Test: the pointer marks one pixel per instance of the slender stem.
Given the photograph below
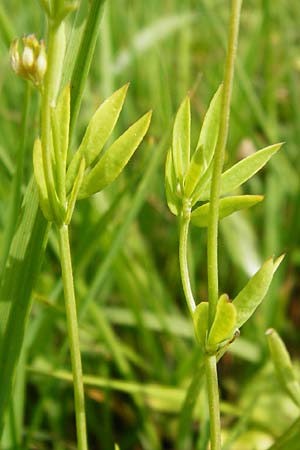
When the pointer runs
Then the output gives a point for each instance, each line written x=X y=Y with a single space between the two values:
x=73 y=335
x=213 y=402
x=183 y=260
x=48 y=100
x=212 y=239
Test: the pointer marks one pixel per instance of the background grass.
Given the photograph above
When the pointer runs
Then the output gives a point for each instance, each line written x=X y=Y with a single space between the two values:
x=139 y=356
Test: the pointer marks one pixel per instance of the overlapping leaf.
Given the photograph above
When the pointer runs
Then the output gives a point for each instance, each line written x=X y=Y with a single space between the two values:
x=227 y=206
x=242 y=171
x=181 y=140
x=97 y=133
x=205 y=149
x=251 y=296
x=116 y=157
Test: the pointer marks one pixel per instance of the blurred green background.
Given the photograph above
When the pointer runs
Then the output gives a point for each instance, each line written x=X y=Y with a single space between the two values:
x=138 y=348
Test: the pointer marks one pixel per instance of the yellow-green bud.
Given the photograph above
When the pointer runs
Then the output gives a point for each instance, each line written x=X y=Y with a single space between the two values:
x=31 y=63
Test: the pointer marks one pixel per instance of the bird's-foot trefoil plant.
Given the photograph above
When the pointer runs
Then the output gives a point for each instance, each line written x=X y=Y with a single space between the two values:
x=60 y=184
x=199 y=192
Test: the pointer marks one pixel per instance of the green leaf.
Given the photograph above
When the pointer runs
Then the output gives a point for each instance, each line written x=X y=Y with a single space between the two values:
x=200 y=319
x=224 y=324
x=243 y=171
x=227 y=206
x=206 y=144
x=115 y=159
x=74 y=192
x=255 y=290
x=39 y=175
x=60 y=122
x=171 y=185
x=181 y=140
x=283 y=366
x=98 y=131
x=19 y=277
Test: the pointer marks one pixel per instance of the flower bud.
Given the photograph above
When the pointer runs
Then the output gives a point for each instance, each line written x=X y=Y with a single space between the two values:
x=27 y=58
x=41 y=62
x=31 y=63
x=14 y=56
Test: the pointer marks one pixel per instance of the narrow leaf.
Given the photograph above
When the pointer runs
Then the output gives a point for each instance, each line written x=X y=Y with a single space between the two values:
x=227 y=205
x=116 y=158
x=255 y=290
x=171 y=185
x=206 y=144
x=60 y=122
x=224 y=323
x=19 y=277
x=283 y=366
x=200 y=320
x=74 y=192
x=181 y=140
x=39 y=175
x=243 y=170
x=97 y=133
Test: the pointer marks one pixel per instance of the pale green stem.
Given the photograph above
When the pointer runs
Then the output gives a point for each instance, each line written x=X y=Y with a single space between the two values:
x=73 y=335
x=212 y=238
x=183 y=259
x=48 y=99
x=213 y=402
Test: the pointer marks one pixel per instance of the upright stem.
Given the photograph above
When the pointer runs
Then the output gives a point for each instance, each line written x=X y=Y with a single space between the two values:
x=212 y=239
x=55 y=35
x=213 y=402
x=73 y=335
x=183 y=260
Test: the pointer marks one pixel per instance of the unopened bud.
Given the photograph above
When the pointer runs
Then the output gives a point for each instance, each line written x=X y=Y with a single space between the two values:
x=27 y=58
x=41 y=62
x=15 y=57
x=32 y=63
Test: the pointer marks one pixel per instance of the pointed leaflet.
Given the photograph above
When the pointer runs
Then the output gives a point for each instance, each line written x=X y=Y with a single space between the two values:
x=283 y=365
x=74 y=192
x=98 y=131
x=243 y=170
x=60 y=122
x=255 y=290
x=181 y=140
x=115 y=159
x=171 y=185
x=224 y=323
x=39 y=175
x=227 y=206
x=206 y=145
x=200 y=319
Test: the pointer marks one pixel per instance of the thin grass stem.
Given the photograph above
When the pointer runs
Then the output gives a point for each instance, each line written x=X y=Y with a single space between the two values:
x=212 y=239
x=73 y=335
x=213 y=402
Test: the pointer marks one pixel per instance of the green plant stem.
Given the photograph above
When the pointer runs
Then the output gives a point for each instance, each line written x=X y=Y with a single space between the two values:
x=213 y=402
x=48 y=99
x=73 y=335
x=183 y=261
x=212 y=239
